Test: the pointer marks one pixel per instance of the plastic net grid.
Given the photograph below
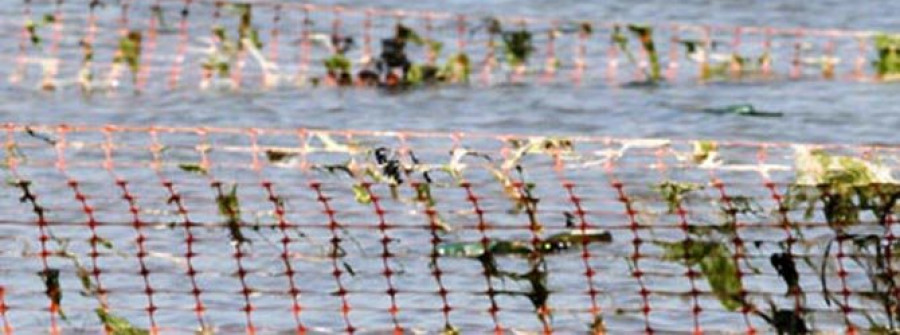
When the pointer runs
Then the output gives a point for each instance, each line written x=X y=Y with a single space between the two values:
x=262 y=44
x=263 y=230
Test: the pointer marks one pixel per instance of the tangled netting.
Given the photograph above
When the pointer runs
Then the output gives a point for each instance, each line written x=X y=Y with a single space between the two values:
x=169 y=44
x=146 y=230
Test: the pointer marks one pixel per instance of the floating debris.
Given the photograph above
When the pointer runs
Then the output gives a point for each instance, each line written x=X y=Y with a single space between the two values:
x=477 y=249
x=553 y=244
x=276 y=156
x=192 y=168
x=574 y=238
x=743 y=110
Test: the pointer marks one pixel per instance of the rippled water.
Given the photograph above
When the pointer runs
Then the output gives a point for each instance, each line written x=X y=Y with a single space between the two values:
x=813 y=111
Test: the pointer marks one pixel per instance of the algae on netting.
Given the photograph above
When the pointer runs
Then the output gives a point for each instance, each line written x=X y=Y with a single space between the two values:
x=741 y=204
x=787 y=270
x=740 y=65
x=192 y=168
x=536 y=277
x=361 y=194
x=160 y=17
x=129 y=52
x=13 y=154
x=406 y=33
x=116 y=325
x=888 y=63
x=704 y=151
x=219 y=59
x=423 y=194
x=845 y=186
x=553 y=146
x=717 y=265
x=337 y=63
x=597 y=326
x=645 y=37
x=52 y=289
x=450 y=330
x=645 y=34
x=785 y=321
x=621 y=41
x=394 y=56
x=673 y=193
x=230 y=209
x=85 y=75
x=517 y=46
x=339 y=69
x=585 y=28
x=457 y=69
x=873 y=255
x=246 y=31
x=734 y=63
x=424 y=74
x=31 y=28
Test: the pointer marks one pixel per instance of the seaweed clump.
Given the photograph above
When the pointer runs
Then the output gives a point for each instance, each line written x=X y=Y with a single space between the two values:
x=230 y=209
x=673 y=193
x=716 y=264
x=31 y=27
x=518 y=47
x=129 y=52
x=225 y=51
x=845 y=186
x=645 y=37
x=888 y=63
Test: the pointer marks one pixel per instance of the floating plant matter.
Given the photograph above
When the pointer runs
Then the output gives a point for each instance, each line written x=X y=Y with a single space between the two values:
x=888 y=62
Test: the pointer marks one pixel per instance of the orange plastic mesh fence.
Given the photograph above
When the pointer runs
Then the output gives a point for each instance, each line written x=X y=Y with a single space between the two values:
x=168 y=44
x=261 y=230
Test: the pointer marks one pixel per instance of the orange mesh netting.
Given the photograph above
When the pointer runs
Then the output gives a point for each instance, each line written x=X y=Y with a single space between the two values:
x=168 y=44
x=229 y=230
